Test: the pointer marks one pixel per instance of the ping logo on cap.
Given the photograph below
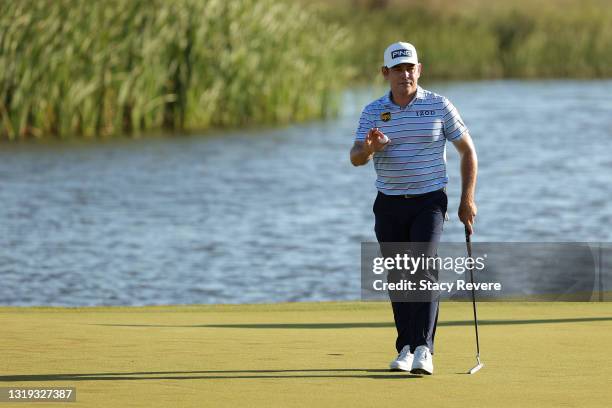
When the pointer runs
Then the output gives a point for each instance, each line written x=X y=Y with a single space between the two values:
x=401 y=53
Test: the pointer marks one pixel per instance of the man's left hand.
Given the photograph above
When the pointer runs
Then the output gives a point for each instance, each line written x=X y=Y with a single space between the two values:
x=467 y=213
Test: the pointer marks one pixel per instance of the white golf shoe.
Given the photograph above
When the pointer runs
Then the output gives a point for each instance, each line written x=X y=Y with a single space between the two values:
x=403 y=361
x=422 y=362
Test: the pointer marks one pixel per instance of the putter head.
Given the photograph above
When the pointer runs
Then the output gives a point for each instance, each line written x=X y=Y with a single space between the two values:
x=476 y=368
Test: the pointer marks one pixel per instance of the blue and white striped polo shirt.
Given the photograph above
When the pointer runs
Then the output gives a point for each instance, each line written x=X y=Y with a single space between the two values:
x=414 y=161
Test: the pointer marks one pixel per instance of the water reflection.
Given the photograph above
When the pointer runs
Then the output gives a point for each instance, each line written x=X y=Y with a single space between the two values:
x=272 y=215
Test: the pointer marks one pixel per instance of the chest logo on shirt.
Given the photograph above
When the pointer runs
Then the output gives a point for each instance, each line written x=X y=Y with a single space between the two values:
x=425 y=113
x=385 y=116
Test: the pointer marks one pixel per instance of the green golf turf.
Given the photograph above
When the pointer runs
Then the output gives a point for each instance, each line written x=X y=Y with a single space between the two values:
x=308 y=354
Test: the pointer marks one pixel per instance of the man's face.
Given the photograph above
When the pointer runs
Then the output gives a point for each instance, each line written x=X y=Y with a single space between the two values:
x=403 y=77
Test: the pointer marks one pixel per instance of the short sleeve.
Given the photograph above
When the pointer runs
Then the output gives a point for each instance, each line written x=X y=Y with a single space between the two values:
x=453 y=125
x=365 y=124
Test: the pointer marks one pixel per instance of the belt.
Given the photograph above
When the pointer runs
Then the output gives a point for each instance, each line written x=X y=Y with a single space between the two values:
x=414 y=195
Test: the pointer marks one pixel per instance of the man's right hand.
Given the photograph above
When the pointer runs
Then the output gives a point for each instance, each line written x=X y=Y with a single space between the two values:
x=362 y=152
x=375 y=141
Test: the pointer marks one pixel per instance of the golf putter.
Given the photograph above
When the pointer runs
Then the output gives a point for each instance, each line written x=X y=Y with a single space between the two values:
x=478 y=366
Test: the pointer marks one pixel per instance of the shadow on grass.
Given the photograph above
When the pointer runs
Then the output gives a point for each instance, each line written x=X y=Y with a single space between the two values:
x=214 y=375
x=365 y=325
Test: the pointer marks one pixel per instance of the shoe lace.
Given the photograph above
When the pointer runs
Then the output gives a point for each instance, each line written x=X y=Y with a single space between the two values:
x=404 y=353
x=423 y=353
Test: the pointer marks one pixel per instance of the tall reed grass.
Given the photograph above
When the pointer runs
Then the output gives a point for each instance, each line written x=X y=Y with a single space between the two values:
x=79 y=68
x=476 y=41
x=105 y=67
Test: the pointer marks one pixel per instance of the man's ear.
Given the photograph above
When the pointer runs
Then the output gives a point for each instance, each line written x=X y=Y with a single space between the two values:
x=385 y=71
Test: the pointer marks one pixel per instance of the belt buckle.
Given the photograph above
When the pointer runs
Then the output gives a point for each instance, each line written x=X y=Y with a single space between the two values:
x=419 y=195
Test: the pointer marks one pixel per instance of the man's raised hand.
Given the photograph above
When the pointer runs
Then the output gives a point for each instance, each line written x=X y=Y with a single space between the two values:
x=376 y=140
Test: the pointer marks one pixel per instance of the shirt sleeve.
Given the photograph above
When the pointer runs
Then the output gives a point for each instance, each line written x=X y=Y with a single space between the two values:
x=453 y=127
x=365 y=124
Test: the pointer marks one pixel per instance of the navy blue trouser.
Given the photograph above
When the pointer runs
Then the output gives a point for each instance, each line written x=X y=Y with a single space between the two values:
x=412 y=219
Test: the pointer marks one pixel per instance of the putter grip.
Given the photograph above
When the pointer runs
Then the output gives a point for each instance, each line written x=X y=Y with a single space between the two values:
x=468 y=243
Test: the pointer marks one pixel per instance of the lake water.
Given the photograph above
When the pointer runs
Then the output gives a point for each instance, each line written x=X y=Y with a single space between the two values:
x=272 y=215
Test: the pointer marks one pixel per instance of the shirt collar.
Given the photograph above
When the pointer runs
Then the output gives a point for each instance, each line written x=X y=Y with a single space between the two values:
x=420 y=94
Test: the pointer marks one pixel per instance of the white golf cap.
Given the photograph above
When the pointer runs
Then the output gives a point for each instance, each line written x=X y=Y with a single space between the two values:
x=400 y=53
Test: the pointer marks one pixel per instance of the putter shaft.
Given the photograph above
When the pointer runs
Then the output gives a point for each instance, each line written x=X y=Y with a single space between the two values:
x=468 y=243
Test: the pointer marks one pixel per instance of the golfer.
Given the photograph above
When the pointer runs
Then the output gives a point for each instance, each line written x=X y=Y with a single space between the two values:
x=405 y=132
